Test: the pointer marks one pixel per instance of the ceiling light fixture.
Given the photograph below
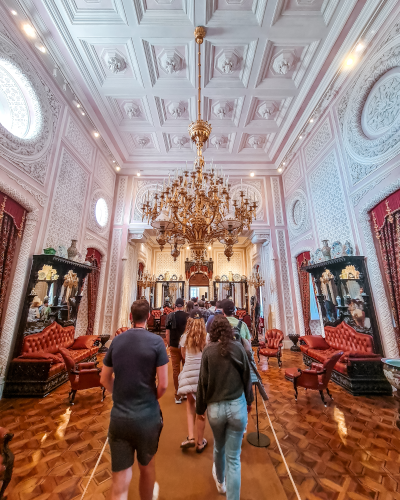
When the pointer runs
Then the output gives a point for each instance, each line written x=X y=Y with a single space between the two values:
x=40 y=47
x=187 y=248
x=300 y=137
x=96 y=134
x=82 y=113
x=138 y=174
x=280 y=169
x=349 y=61
x=359 y=47
x=196 y=206
x=284 y=163
x=311 y=120
x=209 y=248
x=251 y=174
x=117 y=168
x=29 y=30
x=14 y=12
x=113 y=161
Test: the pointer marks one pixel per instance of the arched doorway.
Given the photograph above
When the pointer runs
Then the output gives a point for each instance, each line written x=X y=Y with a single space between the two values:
x=199 y=286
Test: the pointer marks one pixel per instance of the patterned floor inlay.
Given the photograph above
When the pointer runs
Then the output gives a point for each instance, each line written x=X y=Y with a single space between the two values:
x=349 y=450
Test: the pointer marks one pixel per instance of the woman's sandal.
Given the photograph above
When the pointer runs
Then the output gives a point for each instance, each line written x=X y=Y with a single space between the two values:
x=188 y=443
x=201 y=448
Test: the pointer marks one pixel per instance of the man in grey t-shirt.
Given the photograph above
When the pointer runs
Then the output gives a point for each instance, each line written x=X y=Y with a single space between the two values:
x=131 y=364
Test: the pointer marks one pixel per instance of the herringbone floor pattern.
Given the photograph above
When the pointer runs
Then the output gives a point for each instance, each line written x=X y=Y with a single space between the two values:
x=350 y=450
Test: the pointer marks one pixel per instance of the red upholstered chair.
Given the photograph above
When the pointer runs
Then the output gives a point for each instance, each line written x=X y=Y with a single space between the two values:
x=317 y=378
x=168 y=310
x=156 y=313
x=241 y=313
x=121 y=330
x=247 y=319
x=272 y=346
x=81 y=375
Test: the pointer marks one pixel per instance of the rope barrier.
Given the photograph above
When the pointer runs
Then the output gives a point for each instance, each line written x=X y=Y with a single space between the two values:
x=281 y=452
x=94 y=470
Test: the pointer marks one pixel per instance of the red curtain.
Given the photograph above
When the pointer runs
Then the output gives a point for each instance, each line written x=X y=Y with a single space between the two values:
x=386 y=220
x=94 y=257
x=12 y=218
x=304 y=280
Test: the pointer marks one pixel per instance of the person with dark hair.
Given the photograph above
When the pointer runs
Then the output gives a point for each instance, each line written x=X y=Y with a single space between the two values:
x=205 y=314
x=218 y=310
x=131 y=365
x=228 y=308
x=174 y=328
x=189 y=306
x=225 y=391
x=212 y=306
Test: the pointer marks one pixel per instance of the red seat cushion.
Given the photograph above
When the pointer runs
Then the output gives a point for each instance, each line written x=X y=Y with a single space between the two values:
x=57 y=368
x=341 y=367
x=291 y=372
x=79 y=354
x=268 y=352
x=84 y=342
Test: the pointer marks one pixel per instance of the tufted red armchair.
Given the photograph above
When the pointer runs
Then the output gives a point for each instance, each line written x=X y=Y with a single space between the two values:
x=168 y=310
x=241 y=313
x=156 y=313
x=317 y=378
x=272 y=346
x=81 y=376
x=121 y=330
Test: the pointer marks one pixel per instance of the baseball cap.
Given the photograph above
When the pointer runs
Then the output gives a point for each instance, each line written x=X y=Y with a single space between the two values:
x=179 y=302
x=228 y=307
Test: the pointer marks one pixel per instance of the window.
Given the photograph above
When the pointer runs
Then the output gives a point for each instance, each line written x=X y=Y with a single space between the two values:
x=19 y=105
x=101 y=212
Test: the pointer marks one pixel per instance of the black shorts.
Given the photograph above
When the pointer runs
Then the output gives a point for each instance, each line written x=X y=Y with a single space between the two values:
x=126 y=436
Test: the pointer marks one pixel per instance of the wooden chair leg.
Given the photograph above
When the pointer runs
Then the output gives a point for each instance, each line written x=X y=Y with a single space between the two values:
x=103 y=390
x=295 y=392
x=322 y=397
x=72 y=397
x=329 y=394
x=279 y=361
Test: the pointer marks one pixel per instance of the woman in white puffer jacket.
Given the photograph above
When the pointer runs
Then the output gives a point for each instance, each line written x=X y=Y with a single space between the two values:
x=192 y=344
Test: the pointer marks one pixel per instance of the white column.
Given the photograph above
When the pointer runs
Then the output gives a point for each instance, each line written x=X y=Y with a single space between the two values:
x=100 y=295
x=298 y=297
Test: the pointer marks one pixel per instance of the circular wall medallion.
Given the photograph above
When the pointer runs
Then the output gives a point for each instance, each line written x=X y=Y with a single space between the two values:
x=382 y=107
x=297 y=212
x=371 y=124
x=101 y=212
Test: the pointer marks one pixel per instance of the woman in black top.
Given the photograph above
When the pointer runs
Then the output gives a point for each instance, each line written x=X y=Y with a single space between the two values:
x=225 y=391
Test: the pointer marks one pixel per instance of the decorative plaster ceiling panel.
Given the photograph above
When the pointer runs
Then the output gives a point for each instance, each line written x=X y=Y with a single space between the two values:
x=136 y=61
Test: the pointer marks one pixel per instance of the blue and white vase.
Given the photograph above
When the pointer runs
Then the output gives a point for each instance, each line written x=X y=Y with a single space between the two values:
x=347 y=248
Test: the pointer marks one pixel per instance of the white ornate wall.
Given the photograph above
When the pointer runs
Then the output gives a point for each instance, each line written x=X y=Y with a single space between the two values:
x=56 y=175
x=348 y=163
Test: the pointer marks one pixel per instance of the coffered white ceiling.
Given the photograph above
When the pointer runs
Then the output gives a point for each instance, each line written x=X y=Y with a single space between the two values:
x=135 y=63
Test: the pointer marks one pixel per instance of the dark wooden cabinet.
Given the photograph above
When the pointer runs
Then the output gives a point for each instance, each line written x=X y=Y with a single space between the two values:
x=344 y=294
x=59 y=279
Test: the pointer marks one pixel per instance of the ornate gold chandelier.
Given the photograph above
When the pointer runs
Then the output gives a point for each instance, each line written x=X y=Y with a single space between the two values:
x=196 y=207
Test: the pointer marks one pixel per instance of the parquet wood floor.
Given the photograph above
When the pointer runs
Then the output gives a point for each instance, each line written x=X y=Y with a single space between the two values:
x=349 y=450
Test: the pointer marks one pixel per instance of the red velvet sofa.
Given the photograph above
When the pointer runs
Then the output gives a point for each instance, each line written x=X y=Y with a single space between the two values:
x=359 y=370
x=39 y=368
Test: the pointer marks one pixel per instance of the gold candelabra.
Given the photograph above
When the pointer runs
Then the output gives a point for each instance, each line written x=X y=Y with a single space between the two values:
x=256 y=280
x=195 y=206
x=146 y=280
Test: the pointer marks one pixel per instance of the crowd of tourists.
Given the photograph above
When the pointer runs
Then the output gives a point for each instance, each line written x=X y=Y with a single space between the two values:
x=210 y=351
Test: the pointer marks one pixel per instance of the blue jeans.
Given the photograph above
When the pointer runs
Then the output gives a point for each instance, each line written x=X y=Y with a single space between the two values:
x=228 y=420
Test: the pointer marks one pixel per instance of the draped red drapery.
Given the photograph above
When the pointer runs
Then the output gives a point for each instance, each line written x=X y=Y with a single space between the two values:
x=304 y=281
x=94 y=257
x=12 y=218
x=386 y=221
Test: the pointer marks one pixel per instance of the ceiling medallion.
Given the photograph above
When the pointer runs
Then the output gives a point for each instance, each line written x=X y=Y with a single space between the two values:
x=195 y=208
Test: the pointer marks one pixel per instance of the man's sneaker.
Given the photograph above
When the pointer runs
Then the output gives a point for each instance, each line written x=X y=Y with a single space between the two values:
x=221 y=487
x=156 y=491
x=178 y=401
